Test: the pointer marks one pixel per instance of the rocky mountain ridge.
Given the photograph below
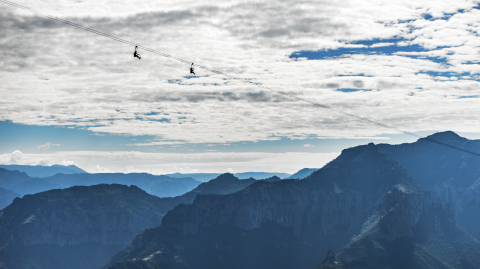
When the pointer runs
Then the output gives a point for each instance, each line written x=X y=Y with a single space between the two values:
x=102 y=217
x=293 y=220
x=454 y=175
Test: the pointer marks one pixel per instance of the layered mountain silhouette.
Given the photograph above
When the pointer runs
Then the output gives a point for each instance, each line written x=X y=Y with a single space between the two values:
x=51 y=228
x=288 y=223
x=161 y=186
x=223 y=184
x=378 y=206
x=205 y=177
x=44 y=171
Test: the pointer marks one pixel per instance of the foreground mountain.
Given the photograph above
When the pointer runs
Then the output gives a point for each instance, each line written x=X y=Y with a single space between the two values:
x=436 y=166
x=454 y=175
x=429 y=238
x=303 y=173
x=205 y=177
x=279 y=224
x=44 y=171
x=6 y=197
x=80 y=227
x=95 y=221
x=161 y=186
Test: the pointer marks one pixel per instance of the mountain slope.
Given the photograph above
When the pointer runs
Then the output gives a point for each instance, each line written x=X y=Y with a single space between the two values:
x=432 y=241
x=303 y=173
x=60 y=227
x=223 y=184
x=434 y=165
x=280 y=224
x=6 y=197
x=454 y=175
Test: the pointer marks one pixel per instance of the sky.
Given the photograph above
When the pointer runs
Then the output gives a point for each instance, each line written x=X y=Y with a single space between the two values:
x=72 y=97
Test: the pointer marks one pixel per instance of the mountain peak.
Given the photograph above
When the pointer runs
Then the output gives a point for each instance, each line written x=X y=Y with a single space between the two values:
x=358 y=153
x=226 y=176
x=444 y=136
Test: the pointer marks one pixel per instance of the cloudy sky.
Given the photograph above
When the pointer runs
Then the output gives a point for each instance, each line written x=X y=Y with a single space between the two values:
x=72 y=97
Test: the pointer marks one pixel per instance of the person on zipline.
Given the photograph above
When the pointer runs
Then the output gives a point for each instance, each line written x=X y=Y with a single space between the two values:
x=191 y=70
x=135 y=54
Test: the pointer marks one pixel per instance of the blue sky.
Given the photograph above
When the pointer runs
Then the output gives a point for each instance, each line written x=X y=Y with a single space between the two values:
x=413 y=65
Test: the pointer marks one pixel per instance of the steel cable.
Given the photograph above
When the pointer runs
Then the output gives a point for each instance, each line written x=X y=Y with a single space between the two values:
x=235 y=78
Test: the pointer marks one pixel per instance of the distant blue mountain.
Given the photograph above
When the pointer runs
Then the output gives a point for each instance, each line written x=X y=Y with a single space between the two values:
x=161 y=186
x=204 y=177
x=44 y=171
x=6 y=197
x=303 y=173
x=260 y=175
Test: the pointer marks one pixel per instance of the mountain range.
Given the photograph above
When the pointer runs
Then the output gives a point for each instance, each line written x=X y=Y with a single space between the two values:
x=57 y=227
x=44 y=171
x=204 y=177
x=363 y=205
x=412 y=205
x=161 y=186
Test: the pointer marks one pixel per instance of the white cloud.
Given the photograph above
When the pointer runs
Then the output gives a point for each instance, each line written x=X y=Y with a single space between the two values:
x=382 y=45
x=163 y=163
x=308 y=145
x=47 y=146
x=95 y=83
x=99 y=169
x=17 y=157
x=12 y=158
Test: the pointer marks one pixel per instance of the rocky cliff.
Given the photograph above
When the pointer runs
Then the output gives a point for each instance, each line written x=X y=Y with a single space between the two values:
x=103 y=218
x=412 y=231
x=281 y=224
x=454 y=175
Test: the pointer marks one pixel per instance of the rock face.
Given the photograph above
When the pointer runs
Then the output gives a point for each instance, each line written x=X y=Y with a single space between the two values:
x=103 y=218
x=411 y=231
x=281 y=224
x=454 y=175
x=329 y=262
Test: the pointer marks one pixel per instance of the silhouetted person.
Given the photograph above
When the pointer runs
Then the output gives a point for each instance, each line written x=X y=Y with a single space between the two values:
x=191 y=70
x=135 y=54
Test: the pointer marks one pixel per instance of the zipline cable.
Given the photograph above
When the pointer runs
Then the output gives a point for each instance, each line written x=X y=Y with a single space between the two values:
x=259 y=85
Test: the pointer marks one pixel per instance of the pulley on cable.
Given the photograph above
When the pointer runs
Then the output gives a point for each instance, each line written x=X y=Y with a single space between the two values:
x=135 y=54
